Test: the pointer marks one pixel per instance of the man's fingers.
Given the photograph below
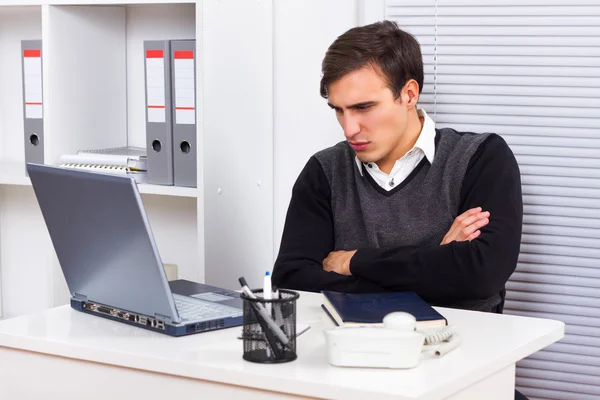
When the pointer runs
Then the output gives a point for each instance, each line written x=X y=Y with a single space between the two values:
x=475 y=226
x=466 y=226
x=468 y=213
x=473 y=218
x=474 y=235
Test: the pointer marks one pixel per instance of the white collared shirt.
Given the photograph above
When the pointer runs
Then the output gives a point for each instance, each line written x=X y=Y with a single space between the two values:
x=424 y=147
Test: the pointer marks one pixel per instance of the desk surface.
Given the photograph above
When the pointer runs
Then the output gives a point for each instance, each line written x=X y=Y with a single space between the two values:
x=490 y=342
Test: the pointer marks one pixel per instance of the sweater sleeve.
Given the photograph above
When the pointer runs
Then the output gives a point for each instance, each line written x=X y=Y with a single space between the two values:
x=464 y=270
x=308 y=239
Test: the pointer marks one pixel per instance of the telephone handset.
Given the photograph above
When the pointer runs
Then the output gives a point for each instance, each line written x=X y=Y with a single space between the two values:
x=398 y=344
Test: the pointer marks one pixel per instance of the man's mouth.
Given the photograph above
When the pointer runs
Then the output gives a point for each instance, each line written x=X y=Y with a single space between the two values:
x=359 y=146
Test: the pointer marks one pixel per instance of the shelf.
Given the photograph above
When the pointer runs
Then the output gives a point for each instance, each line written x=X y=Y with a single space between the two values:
x=22 y=3
x=89 y=2
x=177 y=191
x=115 y=2
x=13 y=173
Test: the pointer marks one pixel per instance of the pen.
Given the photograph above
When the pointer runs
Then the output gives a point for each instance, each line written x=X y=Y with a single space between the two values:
x=278 y=313
x=267 y=291
x=263 y=313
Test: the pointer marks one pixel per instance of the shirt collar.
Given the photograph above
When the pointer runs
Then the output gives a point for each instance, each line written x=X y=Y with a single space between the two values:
x=425 y=141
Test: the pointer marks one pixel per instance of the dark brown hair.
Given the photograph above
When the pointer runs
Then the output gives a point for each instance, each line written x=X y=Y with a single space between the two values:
x=392 y=51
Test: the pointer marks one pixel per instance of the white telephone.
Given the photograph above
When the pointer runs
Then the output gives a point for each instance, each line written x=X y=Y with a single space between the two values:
x=395 y=345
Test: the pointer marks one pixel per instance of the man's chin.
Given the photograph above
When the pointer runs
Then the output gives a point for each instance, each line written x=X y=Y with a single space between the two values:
x=365 y=158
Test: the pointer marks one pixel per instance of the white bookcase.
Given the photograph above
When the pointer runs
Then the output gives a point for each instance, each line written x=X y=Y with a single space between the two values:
x=93 y=75
x=259 y=115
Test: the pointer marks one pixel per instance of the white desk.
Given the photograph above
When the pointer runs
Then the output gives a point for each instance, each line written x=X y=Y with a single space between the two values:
x=62 y=353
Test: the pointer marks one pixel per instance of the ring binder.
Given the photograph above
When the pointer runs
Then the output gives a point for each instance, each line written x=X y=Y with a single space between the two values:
x=159 y=136
x=33 y=116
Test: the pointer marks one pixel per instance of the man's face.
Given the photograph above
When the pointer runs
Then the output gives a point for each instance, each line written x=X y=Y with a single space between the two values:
x=373 y=121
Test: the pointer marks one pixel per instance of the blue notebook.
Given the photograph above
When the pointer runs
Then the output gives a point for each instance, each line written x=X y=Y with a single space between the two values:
x=370 y=308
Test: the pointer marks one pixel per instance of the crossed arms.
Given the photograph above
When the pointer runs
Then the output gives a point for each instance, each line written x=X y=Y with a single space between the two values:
x=474 y=260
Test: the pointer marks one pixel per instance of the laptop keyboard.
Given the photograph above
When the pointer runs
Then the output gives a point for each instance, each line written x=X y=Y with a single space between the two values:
x=196 y=310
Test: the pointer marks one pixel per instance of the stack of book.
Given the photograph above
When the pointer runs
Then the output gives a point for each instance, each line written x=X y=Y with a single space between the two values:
x=127 y=160
x=369 y=309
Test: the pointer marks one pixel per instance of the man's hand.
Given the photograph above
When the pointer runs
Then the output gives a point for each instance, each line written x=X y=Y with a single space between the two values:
x=338 y=261
x=466 y=226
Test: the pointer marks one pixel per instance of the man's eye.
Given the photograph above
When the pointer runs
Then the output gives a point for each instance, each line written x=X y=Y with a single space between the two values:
x=363 y=108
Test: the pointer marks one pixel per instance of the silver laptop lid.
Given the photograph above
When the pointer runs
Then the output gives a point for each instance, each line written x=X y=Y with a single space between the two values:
x=103 y=240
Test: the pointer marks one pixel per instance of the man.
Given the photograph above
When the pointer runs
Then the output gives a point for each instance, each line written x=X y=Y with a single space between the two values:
x=400 y=205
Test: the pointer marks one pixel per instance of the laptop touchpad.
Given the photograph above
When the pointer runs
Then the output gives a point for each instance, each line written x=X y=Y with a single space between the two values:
x=211 y=296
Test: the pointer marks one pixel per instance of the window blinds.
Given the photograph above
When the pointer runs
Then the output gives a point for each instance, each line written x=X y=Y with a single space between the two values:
x=529 y=70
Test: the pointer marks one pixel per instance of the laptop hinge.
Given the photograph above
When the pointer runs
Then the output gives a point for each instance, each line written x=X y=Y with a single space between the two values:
x=162 y=318
x=80 y=297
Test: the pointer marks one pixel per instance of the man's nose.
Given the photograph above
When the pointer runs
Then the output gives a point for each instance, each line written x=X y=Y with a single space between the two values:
x=351 y=126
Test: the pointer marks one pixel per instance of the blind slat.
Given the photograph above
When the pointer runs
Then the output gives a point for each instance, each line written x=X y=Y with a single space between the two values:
x=565 y=358
x=566 y=318
x=564 y=386
x=520 y=276
x=553 y=259
x=552 y=366
x=557 y=376
x=510 y=51
x=476 y=10
x=559 y=162
x=487 y=3
x=465 y=117
x=534 y=150
x=551 y=191
x=560 y=171
x=445 y=21
x=558 y=181
x=546 y=394
x=582 y=340
x=510 y=30
x=523 y=297
x=576 y=349
x=582 y=330
x=541 y=131
x=564 y=270
x=560 y=250
x=580 y=311
x=561 y=211
x=560 y=241
x=557 y=89
x=571 y=83
x=516 y=111
x=552 y=289
x=561 y=201
x=516 y=40
x=553 y=141
x=513 y=101
x=561 y=231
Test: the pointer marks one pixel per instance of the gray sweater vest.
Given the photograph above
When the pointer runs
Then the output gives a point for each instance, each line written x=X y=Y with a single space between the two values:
x=417 y=212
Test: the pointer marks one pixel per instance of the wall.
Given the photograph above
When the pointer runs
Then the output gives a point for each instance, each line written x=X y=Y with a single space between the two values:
x=304 y=123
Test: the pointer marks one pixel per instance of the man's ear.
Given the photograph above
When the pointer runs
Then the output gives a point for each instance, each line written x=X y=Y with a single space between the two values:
x=410 y=93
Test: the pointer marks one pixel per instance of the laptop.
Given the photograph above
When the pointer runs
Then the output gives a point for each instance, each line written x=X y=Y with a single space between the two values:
x=106 y=249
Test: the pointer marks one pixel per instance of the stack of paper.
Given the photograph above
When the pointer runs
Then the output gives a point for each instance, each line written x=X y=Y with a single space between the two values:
x=128 y=160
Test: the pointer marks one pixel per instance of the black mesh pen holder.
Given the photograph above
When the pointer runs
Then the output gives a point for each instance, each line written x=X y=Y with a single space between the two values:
x=269 y=330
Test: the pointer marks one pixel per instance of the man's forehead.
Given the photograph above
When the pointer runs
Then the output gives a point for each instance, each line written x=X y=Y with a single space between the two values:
x=358 y=86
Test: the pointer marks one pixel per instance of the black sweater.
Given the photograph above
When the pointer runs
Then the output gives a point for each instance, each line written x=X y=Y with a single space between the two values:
x=450 y=275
